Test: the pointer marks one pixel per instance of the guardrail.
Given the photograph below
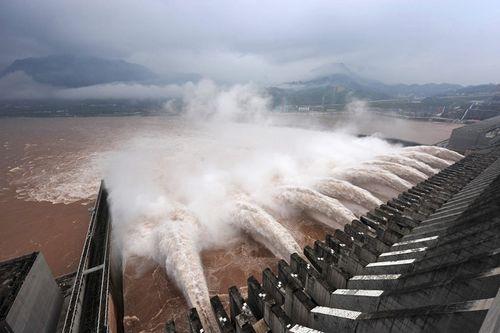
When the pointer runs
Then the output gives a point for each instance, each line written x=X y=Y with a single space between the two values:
x=88 y=305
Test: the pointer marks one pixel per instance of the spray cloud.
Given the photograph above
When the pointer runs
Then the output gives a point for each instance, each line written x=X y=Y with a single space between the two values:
x=206 y=172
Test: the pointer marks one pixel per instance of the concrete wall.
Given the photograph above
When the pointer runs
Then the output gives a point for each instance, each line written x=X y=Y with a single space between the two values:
x=473 y=136
x=38 y=303
x=491 y=323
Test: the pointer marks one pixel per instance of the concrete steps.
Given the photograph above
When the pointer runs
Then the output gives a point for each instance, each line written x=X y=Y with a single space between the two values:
x=428 y=260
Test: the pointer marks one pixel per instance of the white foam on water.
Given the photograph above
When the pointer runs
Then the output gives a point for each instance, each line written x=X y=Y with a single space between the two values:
x=74 y=178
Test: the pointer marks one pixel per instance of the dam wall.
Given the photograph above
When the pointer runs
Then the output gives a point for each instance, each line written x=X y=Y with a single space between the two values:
x=95 y=283
x=428 y=260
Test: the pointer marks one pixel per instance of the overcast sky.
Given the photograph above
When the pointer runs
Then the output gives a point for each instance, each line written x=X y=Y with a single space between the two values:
x=266 y=41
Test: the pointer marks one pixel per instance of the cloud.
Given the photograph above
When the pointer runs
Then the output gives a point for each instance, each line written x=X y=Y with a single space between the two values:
x=18 y=85
x=273 y=41
x=121 y=91
x=203 y=99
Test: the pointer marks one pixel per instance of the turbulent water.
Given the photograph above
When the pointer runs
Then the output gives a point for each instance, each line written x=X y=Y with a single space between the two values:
x=178 y=189
x=432 y=161
x=75 y=179
x=405 y=172
x=324 y=208
x=347 y=193
x=439 y=152
x=330 y=196
x=242 y=178
x=382 y=184
x=177 y=238
x=406 y=161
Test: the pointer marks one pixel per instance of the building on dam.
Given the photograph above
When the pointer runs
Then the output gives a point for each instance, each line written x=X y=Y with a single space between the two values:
x=30 y=297
x=483 y=134
x=425 y=261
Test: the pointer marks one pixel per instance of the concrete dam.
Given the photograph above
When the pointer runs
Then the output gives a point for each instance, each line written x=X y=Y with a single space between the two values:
x=425 y=260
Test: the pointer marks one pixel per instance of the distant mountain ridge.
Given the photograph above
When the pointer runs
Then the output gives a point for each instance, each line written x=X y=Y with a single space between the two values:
x=343 y=84
x=343 y=76
x=71 y=71
x=333 y=83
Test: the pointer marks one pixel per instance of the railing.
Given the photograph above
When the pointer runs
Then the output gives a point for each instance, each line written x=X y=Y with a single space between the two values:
x=88 y=305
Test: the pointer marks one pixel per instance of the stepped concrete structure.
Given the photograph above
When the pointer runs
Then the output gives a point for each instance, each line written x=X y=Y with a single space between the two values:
x=426 y=261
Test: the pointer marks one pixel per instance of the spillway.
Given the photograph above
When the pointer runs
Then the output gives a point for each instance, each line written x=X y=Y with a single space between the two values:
x=264 y=229
x=345 y=191
x=439 y=152
x=407 y=161
x=325 y=209
x=365 y=175
x=177 y=244
x=405 y=172
x=432 y=161
x=382 y=184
